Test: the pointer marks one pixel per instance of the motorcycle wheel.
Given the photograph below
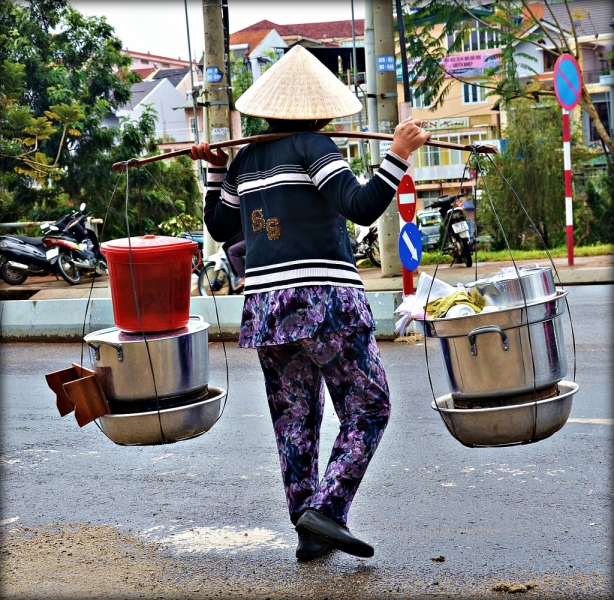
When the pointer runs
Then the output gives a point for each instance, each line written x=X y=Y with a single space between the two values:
x=374 y=255
x=13 y=276
x=67 y=270
x=213 y=283
x=466 y=252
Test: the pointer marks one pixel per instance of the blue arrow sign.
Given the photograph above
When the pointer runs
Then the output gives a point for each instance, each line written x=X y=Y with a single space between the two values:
x=410 y=246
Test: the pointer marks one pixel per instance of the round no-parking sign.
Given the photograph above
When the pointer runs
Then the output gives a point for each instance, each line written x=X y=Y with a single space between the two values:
x=567 y=81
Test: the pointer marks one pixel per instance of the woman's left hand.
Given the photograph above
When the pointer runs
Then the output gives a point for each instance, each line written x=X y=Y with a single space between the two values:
x=217 y=158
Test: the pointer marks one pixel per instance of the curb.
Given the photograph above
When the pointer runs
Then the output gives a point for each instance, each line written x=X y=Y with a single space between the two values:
x=63 y=320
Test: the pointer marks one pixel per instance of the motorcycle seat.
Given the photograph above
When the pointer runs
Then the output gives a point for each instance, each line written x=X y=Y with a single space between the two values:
x=28 y=240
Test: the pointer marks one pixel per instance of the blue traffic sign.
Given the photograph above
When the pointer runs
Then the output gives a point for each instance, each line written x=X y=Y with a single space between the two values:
x=567 y=81
x=410 y=246
x=386 y=63
x=214 y=75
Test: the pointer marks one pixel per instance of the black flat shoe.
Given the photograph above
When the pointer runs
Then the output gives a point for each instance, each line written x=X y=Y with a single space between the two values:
x=309 y=548
x=326 y=529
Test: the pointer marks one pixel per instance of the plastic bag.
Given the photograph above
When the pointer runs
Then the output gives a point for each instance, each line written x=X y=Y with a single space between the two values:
x=413 y=305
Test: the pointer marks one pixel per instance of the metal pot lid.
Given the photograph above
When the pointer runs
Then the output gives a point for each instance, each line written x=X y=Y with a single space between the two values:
x=114 y=335
x=512 y=274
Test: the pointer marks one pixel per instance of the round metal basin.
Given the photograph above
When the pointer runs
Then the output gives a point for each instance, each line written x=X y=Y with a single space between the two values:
x=166 y=426
x=507 y=425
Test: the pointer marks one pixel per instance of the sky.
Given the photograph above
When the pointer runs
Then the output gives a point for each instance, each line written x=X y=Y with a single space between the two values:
x=159 y=26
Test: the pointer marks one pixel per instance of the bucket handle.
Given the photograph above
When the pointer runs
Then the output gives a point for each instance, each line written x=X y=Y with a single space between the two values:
x=96 y=349
x=486 y=329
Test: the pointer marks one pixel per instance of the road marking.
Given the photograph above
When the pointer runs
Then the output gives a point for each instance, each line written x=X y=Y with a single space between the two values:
x=7 y=521
x=592 y=421
x=227 y=539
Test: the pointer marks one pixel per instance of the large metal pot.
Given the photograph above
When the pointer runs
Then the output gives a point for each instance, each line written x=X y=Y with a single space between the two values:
x=166 y=426
x=518 y=424
x=506 y=352
x=530 y=284
x=179 y=361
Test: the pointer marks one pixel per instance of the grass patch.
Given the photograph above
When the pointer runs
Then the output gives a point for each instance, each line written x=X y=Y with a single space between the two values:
x=434 y=258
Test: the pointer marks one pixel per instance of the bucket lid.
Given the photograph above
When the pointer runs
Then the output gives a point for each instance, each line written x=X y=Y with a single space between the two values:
x=148 y=243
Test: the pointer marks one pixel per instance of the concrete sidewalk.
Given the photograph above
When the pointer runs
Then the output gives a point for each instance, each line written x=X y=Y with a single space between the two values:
x=48 y=310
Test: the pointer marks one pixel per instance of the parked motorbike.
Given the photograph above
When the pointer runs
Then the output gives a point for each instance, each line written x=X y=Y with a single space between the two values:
x=23 y=256
x=57 y=253
x=86 y=256
x=457 y=242
x=217 y=276
x=365 y=243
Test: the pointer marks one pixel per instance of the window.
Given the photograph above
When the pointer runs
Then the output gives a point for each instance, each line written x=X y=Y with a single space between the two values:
x=549 y=61
x=602 y=111
x=193 y=125
x=418 y=100
x=144 y=62
x=165 y=65
x=473 y=94
x=475 y=39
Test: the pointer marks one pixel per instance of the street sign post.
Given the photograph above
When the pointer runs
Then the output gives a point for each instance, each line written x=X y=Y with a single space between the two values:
x=406 y=203
x=568 y=90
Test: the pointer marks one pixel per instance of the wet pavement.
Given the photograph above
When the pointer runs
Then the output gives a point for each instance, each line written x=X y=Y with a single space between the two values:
x=206 y=517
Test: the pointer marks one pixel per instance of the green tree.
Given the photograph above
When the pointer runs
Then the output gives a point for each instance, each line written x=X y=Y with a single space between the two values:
x=241 y=78
x=61 y=74
x=532 y=162
x=506 y=23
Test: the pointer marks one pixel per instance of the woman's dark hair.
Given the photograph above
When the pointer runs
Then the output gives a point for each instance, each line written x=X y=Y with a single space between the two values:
x=285 y=125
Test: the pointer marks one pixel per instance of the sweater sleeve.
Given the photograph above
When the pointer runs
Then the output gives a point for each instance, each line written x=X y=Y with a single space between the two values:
x=222 y=209
x=332 y=176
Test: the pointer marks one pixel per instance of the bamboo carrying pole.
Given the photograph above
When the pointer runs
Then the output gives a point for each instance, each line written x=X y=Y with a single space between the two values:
x=269 y=137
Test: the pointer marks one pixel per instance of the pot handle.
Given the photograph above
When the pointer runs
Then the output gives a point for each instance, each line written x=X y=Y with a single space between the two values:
x=96 y=349
x=486 y=329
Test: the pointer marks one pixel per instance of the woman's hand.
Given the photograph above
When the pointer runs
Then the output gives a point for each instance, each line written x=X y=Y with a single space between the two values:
x=408 y=136
x=217 y=158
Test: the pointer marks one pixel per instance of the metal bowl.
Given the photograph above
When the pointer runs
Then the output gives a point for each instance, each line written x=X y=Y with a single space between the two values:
x=166 y=426
x=508 y=425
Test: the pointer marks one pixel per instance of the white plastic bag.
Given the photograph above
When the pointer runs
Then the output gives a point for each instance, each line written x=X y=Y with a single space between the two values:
x=413 y=305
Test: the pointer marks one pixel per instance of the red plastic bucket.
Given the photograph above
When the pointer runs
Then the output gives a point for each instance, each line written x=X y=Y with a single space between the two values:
x=162 y=269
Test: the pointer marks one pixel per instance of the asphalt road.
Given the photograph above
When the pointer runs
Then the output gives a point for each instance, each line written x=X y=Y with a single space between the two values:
x=213 y=507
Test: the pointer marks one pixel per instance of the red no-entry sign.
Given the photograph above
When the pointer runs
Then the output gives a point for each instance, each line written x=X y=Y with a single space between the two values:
x=406 y=199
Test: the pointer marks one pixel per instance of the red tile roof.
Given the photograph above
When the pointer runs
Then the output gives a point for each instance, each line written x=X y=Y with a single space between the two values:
x=251 y=37
x=317 y=31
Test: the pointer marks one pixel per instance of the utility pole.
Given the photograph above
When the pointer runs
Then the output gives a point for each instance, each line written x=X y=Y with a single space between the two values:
x=371 y=86
x=216 y=83
x=388 y=118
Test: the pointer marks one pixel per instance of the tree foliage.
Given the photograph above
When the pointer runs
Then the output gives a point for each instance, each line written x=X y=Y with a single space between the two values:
x=438 y=28
x=532 y=163
x=61 y=75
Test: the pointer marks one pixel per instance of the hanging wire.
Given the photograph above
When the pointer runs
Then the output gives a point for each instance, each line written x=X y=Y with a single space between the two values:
x=217 y=315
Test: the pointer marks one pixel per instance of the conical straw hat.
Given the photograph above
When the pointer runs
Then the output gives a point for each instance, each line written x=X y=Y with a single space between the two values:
x=298 y=87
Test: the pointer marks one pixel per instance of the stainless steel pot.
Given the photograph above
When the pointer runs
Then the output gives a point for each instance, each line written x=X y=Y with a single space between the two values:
x=166 y=426
x=506 y=352
x=530 y=284
x=179 y=360
x=521 y=423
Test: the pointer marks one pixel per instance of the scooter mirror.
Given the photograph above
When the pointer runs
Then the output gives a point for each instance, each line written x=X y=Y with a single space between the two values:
x=82 y=206
x=45 y=226
x=53 y=228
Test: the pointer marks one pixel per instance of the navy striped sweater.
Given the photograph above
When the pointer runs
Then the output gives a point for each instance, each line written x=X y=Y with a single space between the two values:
x=292 y=197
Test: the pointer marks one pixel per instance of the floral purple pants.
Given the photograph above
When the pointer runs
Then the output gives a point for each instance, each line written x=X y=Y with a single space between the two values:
x=349 y=362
